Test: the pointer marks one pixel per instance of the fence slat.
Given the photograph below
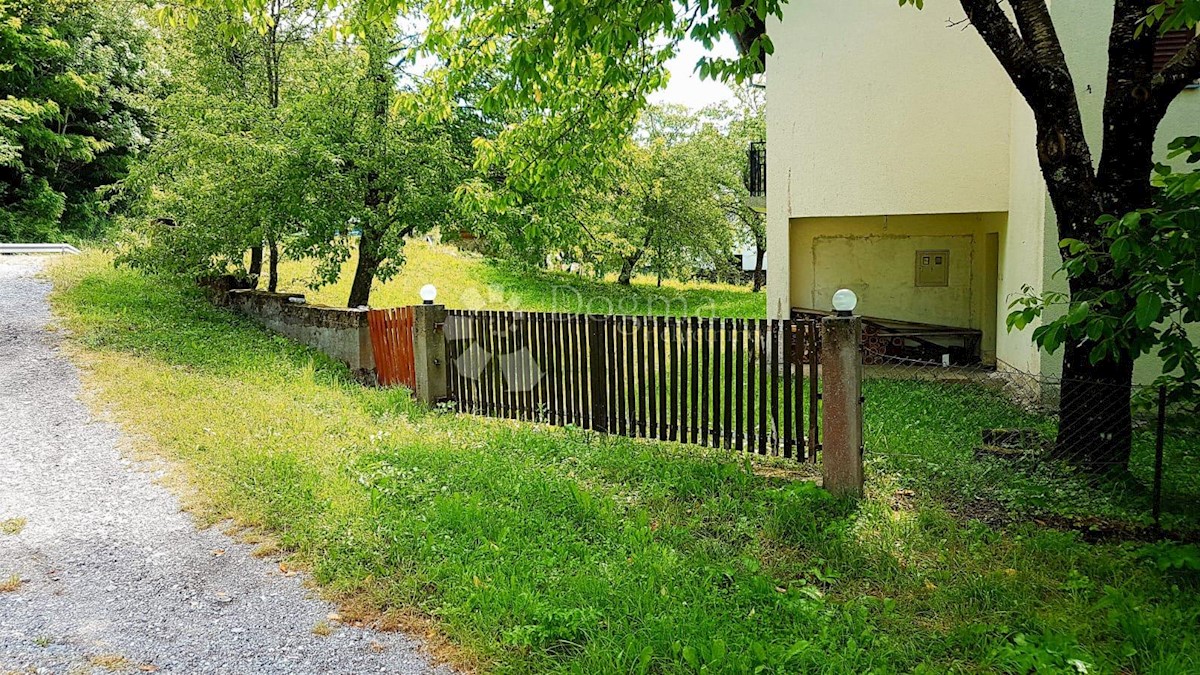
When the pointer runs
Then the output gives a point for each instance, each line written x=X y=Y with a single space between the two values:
x=775 y=384
x=672 y=387
x=814 y=396
x=705 y=396
x=739 y=392
x=751 y=385
x=800 y=335
x=788 y=341
x=761 y=350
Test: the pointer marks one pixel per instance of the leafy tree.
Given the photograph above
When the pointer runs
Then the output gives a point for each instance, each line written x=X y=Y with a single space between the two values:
x=1153 y=255
x=70 y=115
x=223 y=175
x=1087 y=196
x=744 y=123
x=663 y=200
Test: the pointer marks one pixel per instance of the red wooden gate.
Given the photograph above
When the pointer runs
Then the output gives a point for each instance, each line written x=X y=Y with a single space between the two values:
x=392 y=344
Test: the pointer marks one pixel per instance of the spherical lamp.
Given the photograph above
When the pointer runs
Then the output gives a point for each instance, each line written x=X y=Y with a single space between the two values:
x=428 y=294
x=844 y=302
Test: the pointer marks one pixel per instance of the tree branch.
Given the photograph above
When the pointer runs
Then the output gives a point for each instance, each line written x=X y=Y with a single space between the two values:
x=1182 y=70
x=1037 y=29
x=1001 y=36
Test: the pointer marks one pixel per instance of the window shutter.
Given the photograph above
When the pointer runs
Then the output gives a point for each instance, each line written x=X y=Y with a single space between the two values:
x=1169 y=44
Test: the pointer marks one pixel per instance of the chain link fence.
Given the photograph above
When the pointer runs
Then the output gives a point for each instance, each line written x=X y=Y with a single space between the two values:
x=996 y=444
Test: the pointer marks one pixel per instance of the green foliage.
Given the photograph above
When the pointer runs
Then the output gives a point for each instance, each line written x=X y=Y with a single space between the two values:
x=1153 y=257
x=291 y=136
x=71 y=117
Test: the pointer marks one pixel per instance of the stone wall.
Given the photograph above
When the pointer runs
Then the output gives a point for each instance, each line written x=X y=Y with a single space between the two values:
x=341 y=333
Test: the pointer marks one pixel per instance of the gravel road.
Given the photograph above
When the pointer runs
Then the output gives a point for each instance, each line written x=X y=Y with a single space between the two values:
x=113 y=576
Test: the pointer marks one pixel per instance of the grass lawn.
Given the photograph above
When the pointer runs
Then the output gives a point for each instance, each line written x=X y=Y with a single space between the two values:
x=469 y=281
x=533 y=549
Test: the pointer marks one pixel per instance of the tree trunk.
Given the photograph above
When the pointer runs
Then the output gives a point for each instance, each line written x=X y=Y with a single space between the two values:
x=627 y=266
x=759 y=254
x=256 y=257
x=1095 y=427
x=273 y=272
x=364 y=272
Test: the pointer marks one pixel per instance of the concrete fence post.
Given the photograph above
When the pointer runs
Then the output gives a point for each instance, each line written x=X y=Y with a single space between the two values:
x=841 y=398
x=429 y=352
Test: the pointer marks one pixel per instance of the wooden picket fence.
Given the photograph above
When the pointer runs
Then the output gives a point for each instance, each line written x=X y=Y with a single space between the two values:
x=710 y=382
x=392 y=344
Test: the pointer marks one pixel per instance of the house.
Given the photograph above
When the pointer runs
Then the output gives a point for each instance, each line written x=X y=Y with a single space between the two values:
x=902 y=165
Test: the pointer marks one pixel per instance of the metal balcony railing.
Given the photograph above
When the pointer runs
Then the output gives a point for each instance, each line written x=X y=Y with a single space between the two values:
x=756 y=169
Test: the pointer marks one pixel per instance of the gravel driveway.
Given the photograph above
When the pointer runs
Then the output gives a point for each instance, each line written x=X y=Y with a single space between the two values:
x=113 y=576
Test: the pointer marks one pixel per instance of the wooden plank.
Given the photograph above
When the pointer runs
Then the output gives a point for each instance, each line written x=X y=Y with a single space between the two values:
x=798 y=402
x=597 y=364
x=584 y=393
x=630 y=386
x=751 y=385
x=643 y=386
x=761 y=350
x=498 y=388
x=705 y=379
x=694 y=350
x=612 y=363
x=727 y=396
x=553 y=384
x=717 y=377
x=537 y=351
x=788 y=346
x=571 y=369
x=684 y=341
x=775 y=385
x=814 y=440
x=739 y=386
x=673 y=387
x=473 y=344
x=664 y=377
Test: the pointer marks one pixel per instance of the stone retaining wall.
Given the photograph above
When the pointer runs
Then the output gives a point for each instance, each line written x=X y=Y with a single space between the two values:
x=339 y=332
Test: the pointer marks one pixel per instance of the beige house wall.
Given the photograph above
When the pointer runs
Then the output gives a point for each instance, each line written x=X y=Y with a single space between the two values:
x=876 y=111
x=875 y=256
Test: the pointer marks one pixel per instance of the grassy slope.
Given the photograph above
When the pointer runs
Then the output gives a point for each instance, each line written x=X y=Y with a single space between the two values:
x=546 y=550
x=468 y=281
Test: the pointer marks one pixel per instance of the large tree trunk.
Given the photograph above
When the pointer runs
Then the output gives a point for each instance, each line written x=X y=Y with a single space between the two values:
x=273 y=269
x=759 y=254
x=628 y=264
x=364 y=272
x=256 y=258
x=1095 y=426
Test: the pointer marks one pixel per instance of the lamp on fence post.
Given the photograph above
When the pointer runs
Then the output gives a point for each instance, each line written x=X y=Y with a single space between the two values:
x=428 y=294
x=429 y=347
x=841 y=397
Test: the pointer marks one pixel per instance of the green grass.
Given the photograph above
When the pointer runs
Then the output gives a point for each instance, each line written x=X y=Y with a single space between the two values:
x=536 y=549
x=469 y=281
x=927 y=431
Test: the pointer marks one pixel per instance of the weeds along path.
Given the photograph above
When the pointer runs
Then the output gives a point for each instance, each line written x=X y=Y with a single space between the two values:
x=99 y=568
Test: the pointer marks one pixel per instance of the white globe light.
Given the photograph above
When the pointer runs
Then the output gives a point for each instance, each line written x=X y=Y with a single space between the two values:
x=428 y=293
x=845 y=300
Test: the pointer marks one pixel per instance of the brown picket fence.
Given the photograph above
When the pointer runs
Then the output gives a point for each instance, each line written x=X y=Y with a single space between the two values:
x=392 y=345
x=710 y=382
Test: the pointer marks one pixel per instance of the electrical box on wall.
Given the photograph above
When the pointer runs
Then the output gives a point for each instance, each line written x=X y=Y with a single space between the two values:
x=933 y=268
